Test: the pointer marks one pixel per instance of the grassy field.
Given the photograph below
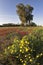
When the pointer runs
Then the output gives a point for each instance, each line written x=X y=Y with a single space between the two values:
x=6 y=30
x=10 y=34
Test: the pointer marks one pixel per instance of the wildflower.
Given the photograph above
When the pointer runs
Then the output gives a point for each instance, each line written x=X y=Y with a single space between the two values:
x=20 y=59
x=11 y=51
x=24 y=64
x=26 y=42
x=25 y=55
x=26 y=49
x=20 y=50
x=20 y=46
x=17 y=40
x=8 y=47
x=31 y=60
x=31 y=50
x=29 y=57
x=41 y=54
x=13 y=46
x=22 y=41
x=37 y=56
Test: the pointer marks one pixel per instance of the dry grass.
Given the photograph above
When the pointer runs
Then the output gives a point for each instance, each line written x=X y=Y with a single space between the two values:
x=6 y=30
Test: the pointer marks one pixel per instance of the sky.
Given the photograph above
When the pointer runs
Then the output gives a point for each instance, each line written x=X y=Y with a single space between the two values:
x=8 y=12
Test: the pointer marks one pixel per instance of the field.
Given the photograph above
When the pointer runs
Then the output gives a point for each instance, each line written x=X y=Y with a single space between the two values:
x=6 y=30
x=10 y=36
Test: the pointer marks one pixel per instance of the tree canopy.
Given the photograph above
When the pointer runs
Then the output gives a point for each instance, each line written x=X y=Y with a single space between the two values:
x=25 y=13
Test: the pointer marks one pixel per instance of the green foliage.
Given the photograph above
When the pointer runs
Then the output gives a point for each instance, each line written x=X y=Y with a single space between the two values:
x=36 y=38
x=25 y=13
x=32 y=24
x=28 y=50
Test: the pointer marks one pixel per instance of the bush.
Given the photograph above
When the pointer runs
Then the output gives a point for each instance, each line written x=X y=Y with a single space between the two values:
x=26 y=51
x=33 y=24
x=36 y=41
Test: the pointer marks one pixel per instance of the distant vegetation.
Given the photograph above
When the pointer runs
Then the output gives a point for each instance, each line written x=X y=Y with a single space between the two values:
x=9 y=24
x=13 y=25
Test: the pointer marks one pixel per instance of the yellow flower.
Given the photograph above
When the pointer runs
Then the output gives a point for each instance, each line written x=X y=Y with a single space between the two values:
x=41 y=54
x=22 y=41
x=17 y=40
x=20 y=50
x=8 y=47
x=13 y=46
x=20 y=46
x=20 y=59
x=25 y=55
x=31 y=50
x=24 y=64
x=37 y=56
x=11 y=51
x=26 y=42
x=26 y=49
x=31 y=60
x=29 y=57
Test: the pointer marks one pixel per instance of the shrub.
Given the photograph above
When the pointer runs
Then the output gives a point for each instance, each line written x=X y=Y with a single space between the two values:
x=26 y=51
x=33 y=24
x=36 y=41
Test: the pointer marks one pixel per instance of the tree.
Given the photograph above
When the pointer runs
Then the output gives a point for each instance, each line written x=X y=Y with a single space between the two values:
x=29 y=15
x=21 y=12
x=25 y=13
x=33 y=24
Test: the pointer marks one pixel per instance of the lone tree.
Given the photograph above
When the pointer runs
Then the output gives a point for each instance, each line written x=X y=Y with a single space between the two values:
x=25 y=13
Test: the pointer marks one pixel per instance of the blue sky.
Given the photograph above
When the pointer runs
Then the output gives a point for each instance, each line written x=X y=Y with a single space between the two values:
x=8 y=12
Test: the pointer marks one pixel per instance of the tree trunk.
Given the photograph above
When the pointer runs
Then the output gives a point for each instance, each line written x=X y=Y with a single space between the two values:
x=29 y=22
